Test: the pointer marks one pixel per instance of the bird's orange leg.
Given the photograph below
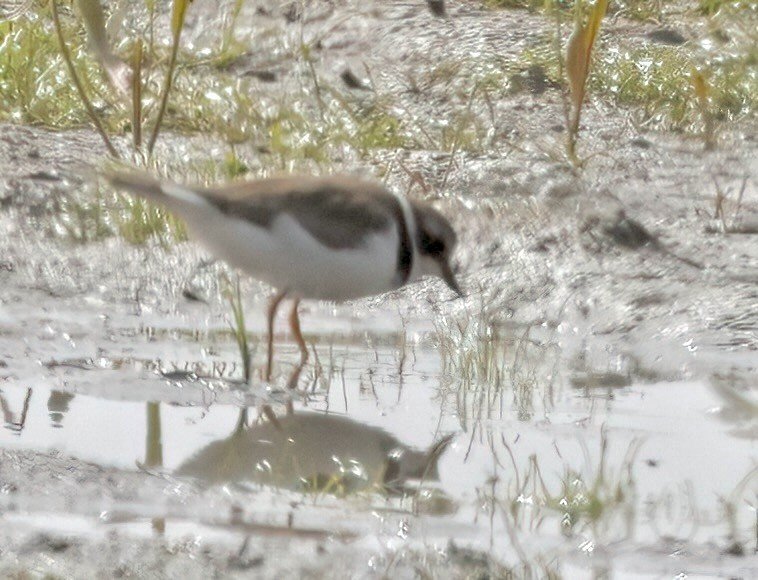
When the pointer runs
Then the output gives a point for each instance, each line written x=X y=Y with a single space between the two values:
x=275 y=302
x=295 y=327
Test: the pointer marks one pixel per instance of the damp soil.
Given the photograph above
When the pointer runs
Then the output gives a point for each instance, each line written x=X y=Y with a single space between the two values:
x=610 y=326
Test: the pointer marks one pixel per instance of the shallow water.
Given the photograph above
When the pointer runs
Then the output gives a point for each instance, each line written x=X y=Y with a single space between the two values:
x=669 y=455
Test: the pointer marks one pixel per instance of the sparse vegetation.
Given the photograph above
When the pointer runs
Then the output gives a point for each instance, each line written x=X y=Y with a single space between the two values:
x=656 y=83
x=653 y=80
x=494 y=370
x=597 y=500
x=33 y=84
x=99 y=215
x=238 y=327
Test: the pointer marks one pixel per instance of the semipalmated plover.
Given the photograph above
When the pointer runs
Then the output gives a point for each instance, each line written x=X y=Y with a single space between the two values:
x=329 y=238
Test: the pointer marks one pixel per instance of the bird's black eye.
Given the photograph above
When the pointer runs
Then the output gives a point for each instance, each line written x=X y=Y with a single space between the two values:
x=434 y=247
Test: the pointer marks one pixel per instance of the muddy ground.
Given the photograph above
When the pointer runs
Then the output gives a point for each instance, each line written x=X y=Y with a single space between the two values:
x=623 y=264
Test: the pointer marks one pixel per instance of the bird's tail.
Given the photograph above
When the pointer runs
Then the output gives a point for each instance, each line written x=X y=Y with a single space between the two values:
x=175 y=197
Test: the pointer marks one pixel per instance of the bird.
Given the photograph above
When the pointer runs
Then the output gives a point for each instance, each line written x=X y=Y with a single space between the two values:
x=329 y=238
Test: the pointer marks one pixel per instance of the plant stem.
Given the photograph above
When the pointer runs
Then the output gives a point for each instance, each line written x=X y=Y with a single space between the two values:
x=78 y=84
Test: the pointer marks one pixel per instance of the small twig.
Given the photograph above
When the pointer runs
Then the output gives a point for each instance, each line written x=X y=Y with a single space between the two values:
x=739 y=199
x=719 y=202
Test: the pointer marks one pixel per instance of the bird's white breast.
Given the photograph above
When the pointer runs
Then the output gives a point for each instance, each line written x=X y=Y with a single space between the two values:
x=286 y=255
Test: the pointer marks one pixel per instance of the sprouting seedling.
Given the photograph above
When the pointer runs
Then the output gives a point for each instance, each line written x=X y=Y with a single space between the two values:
x=178 y=16
x=578 y=59
x=234 y=296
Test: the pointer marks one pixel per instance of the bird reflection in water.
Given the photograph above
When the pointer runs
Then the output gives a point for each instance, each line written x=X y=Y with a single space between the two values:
x=314 y=452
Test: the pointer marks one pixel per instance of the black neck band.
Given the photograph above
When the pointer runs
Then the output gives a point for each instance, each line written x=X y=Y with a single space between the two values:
x=404 y=248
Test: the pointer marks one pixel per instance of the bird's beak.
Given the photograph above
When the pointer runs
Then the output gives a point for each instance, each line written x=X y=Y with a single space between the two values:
x=449 y=278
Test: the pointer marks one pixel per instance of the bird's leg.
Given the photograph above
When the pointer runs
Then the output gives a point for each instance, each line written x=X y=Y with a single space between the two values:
x=271 y=315
x=295 y=327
